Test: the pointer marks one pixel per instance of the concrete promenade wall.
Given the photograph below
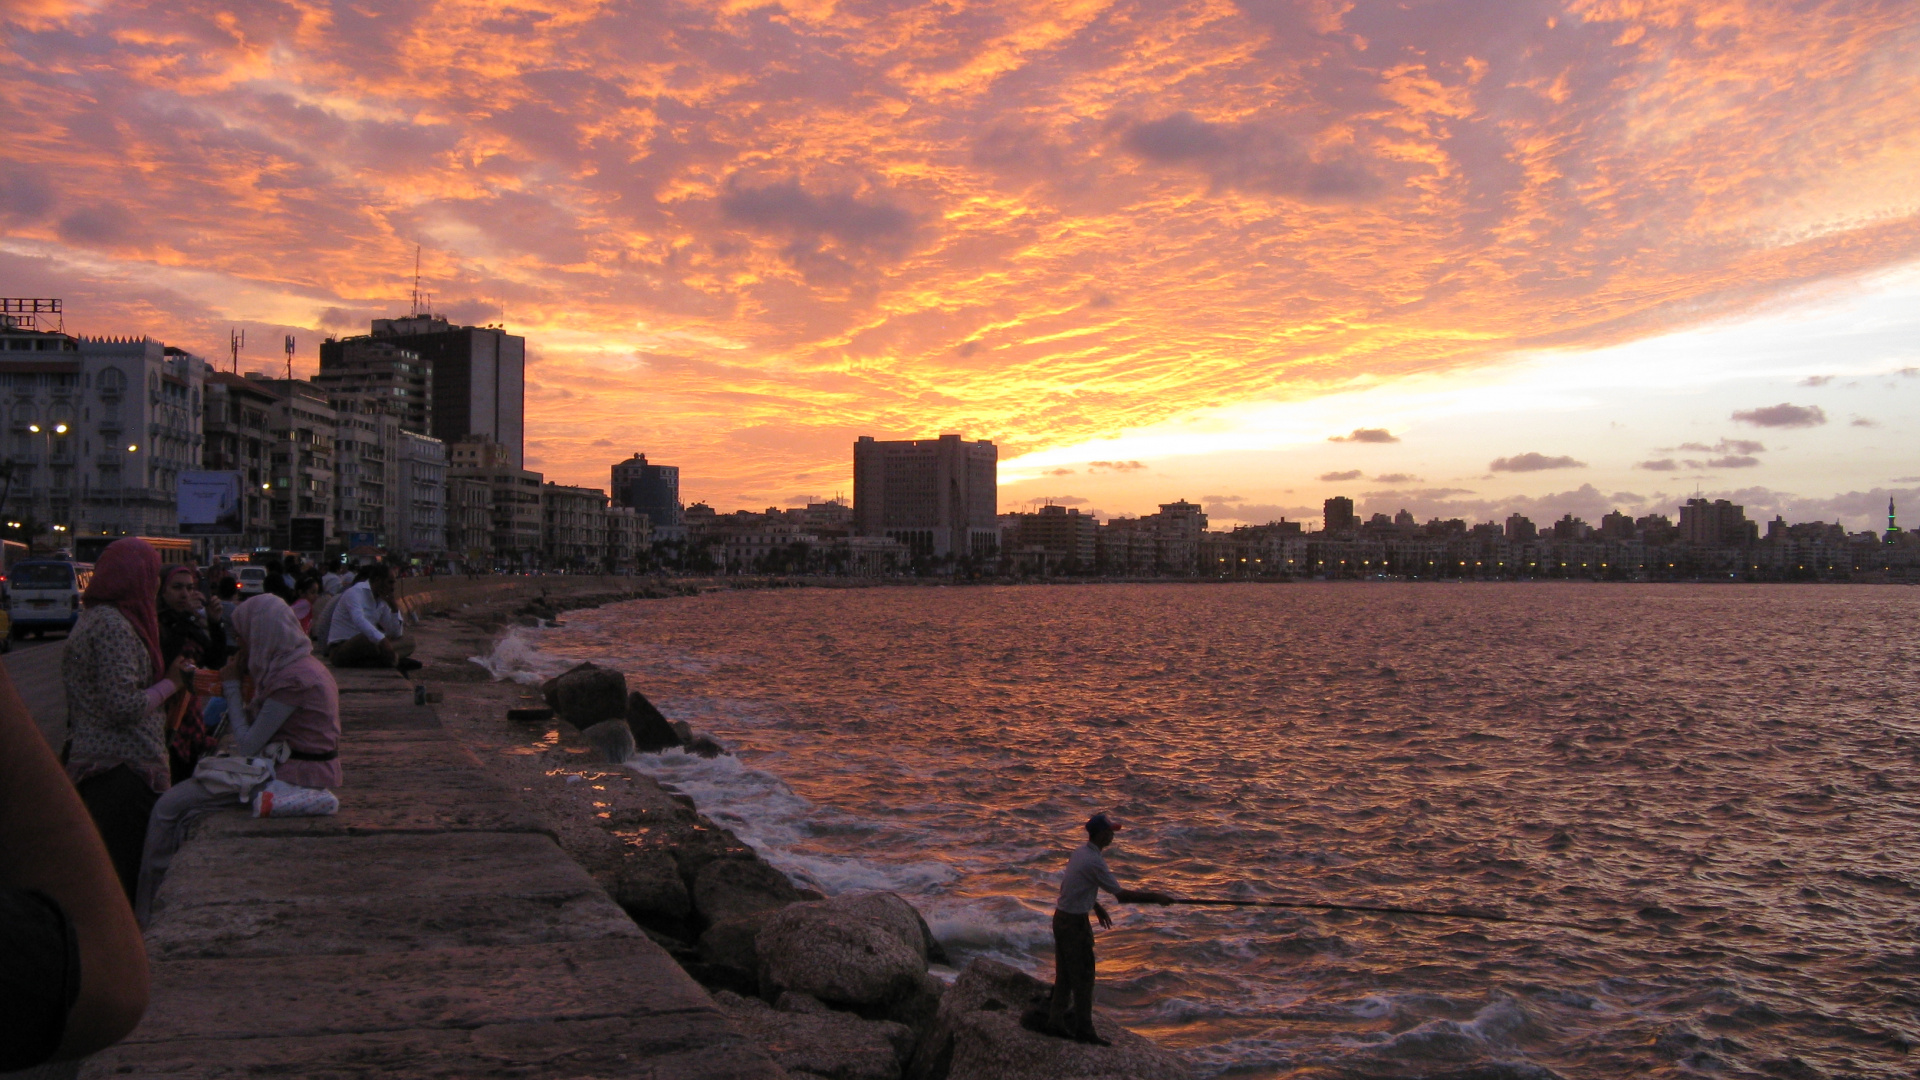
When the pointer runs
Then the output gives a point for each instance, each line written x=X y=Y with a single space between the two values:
x=433 y=928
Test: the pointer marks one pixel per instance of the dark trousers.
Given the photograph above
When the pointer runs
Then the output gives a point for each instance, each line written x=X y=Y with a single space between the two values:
x=120 y=802
x=357 y=651
x=1072 y=973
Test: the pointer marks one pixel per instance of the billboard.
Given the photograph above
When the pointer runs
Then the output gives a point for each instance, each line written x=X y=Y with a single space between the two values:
x=307 y=534
x=209 y=503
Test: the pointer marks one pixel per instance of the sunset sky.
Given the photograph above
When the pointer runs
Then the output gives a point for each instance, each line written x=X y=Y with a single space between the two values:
x=1464 y=257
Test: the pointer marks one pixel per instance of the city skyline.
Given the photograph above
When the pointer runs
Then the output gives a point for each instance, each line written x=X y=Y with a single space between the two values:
x=1547 y=257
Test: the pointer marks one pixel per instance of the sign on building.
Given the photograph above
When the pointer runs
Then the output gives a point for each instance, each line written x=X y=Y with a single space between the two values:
x=209 y=503
x=307 y=534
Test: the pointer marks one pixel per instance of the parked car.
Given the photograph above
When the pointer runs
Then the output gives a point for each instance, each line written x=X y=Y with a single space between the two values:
x=252 y=579
x=44 y=594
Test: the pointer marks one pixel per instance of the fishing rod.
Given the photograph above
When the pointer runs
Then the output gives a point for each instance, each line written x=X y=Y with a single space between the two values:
x=1382 y=909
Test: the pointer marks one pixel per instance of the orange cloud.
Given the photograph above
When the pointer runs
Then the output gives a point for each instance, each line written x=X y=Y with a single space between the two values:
x=737 y=236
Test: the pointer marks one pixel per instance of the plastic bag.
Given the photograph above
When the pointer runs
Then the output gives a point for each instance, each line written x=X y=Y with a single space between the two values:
x=277 y=798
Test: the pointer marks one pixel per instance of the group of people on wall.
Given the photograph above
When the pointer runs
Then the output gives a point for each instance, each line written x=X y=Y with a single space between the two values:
x=183 y=696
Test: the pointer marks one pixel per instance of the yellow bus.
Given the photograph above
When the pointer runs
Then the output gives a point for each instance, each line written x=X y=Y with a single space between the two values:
x=174 y=550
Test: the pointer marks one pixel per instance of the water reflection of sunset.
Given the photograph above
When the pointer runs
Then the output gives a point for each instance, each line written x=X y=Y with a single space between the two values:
x=740 y=235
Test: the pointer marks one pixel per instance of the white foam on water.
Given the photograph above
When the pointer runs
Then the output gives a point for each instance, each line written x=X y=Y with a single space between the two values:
x=999 y=927
x=517 y=657
x=766 y=814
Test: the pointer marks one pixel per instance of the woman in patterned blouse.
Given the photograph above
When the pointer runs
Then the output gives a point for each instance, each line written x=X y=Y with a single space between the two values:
x=116 y=686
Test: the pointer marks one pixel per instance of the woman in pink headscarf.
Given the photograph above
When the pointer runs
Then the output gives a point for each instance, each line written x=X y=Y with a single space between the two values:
x=116 y=684
x=294 y=704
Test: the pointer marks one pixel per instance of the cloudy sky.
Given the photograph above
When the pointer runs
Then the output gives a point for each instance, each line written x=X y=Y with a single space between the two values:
x=1463 y=257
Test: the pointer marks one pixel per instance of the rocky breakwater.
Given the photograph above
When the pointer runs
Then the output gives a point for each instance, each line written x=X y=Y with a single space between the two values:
x=839 y=987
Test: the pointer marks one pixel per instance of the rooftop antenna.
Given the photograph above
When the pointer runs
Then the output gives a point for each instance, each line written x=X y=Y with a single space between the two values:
x=289 y=357
x=236 y=339
x=416 y=280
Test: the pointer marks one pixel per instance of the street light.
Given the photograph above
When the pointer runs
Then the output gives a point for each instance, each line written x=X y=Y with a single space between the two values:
x=120 y=497
x=58 y=429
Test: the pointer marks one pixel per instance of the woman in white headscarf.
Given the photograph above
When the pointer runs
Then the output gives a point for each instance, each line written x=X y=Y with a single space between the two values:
x=294 y=703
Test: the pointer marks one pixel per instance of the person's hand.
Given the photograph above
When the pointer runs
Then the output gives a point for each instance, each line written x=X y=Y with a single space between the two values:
x=181 y=671
x=211 y=605
x=1106 y=920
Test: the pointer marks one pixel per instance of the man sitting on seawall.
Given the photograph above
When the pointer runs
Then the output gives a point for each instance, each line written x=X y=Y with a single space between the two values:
x=364 y=630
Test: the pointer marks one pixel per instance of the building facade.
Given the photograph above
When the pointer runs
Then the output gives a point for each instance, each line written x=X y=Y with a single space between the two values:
x=478 y=377
x=653 y=490
x=304 y=428
x=938 y=497
x=469 y=519
x=1056 y=539
x=383 y=371
x=366 y=440
x=238 y=427
x=573 y=526
x=422 y=502
x=514 y=496
x=628 y=539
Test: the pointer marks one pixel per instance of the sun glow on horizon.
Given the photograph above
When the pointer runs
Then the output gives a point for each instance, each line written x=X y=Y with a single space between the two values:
x=739 y=236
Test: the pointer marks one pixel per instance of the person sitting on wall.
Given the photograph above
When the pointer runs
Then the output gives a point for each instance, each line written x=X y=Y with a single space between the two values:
x=365 y=630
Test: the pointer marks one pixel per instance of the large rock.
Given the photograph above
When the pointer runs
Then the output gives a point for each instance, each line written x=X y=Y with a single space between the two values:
x=586 y=695
x=823 y=1043
x=647 y=884
x=730 y=888
x=977 y=1035
x=728 y=956
x=736 y=897
x=612 y=738
x=651 y=732
x=898 y=916
x=853 y=952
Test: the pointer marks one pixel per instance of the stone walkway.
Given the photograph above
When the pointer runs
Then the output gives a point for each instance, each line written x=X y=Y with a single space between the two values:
x=431 y=929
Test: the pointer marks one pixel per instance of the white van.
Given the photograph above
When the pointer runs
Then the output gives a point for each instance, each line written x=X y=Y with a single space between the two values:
x=252 y=579
x=44 y=594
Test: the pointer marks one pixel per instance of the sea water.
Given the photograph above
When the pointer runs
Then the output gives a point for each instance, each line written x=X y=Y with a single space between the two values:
x=1717 y=786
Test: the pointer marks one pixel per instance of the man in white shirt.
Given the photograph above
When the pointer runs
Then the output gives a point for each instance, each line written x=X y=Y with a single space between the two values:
x=1073 y=962
x=333 y=582
x=364 y=631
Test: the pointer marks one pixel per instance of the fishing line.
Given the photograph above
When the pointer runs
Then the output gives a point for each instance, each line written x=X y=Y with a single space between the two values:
x=1381 y=909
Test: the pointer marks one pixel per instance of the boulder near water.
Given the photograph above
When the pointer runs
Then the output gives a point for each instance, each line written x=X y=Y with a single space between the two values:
x=612 y=738
x=587 y=694
x=647 y=884
x=736 y=897
x=651 y=731
x=977 y=1035
x=863 y=952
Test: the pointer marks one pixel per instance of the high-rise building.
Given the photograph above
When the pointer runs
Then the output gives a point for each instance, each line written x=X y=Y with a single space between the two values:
x=366 y=483
x=1338 y=515
x=1063 y=538
x=938 y=497
x=1717 y=523
x=304 y=429
x=653 y=490
x=380 y=370
x=421 y=495
x=477 y=375
x=238 y=426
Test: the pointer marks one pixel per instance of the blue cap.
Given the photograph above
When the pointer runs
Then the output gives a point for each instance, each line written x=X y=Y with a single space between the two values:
x=1101 y=821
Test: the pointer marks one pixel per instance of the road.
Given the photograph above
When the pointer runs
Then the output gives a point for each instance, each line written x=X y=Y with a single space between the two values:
x=34 y=667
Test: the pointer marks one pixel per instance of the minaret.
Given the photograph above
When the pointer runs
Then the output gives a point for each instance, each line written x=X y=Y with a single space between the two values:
x=1893 y=527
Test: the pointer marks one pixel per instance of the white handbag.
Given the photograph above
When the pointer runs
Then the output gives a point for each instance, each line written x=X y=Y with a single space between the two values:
x=221 y=774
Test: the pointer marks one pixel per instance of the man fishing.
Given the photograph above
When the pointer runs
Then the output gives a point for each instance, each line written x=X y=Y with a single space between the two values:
x=1086 y=875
